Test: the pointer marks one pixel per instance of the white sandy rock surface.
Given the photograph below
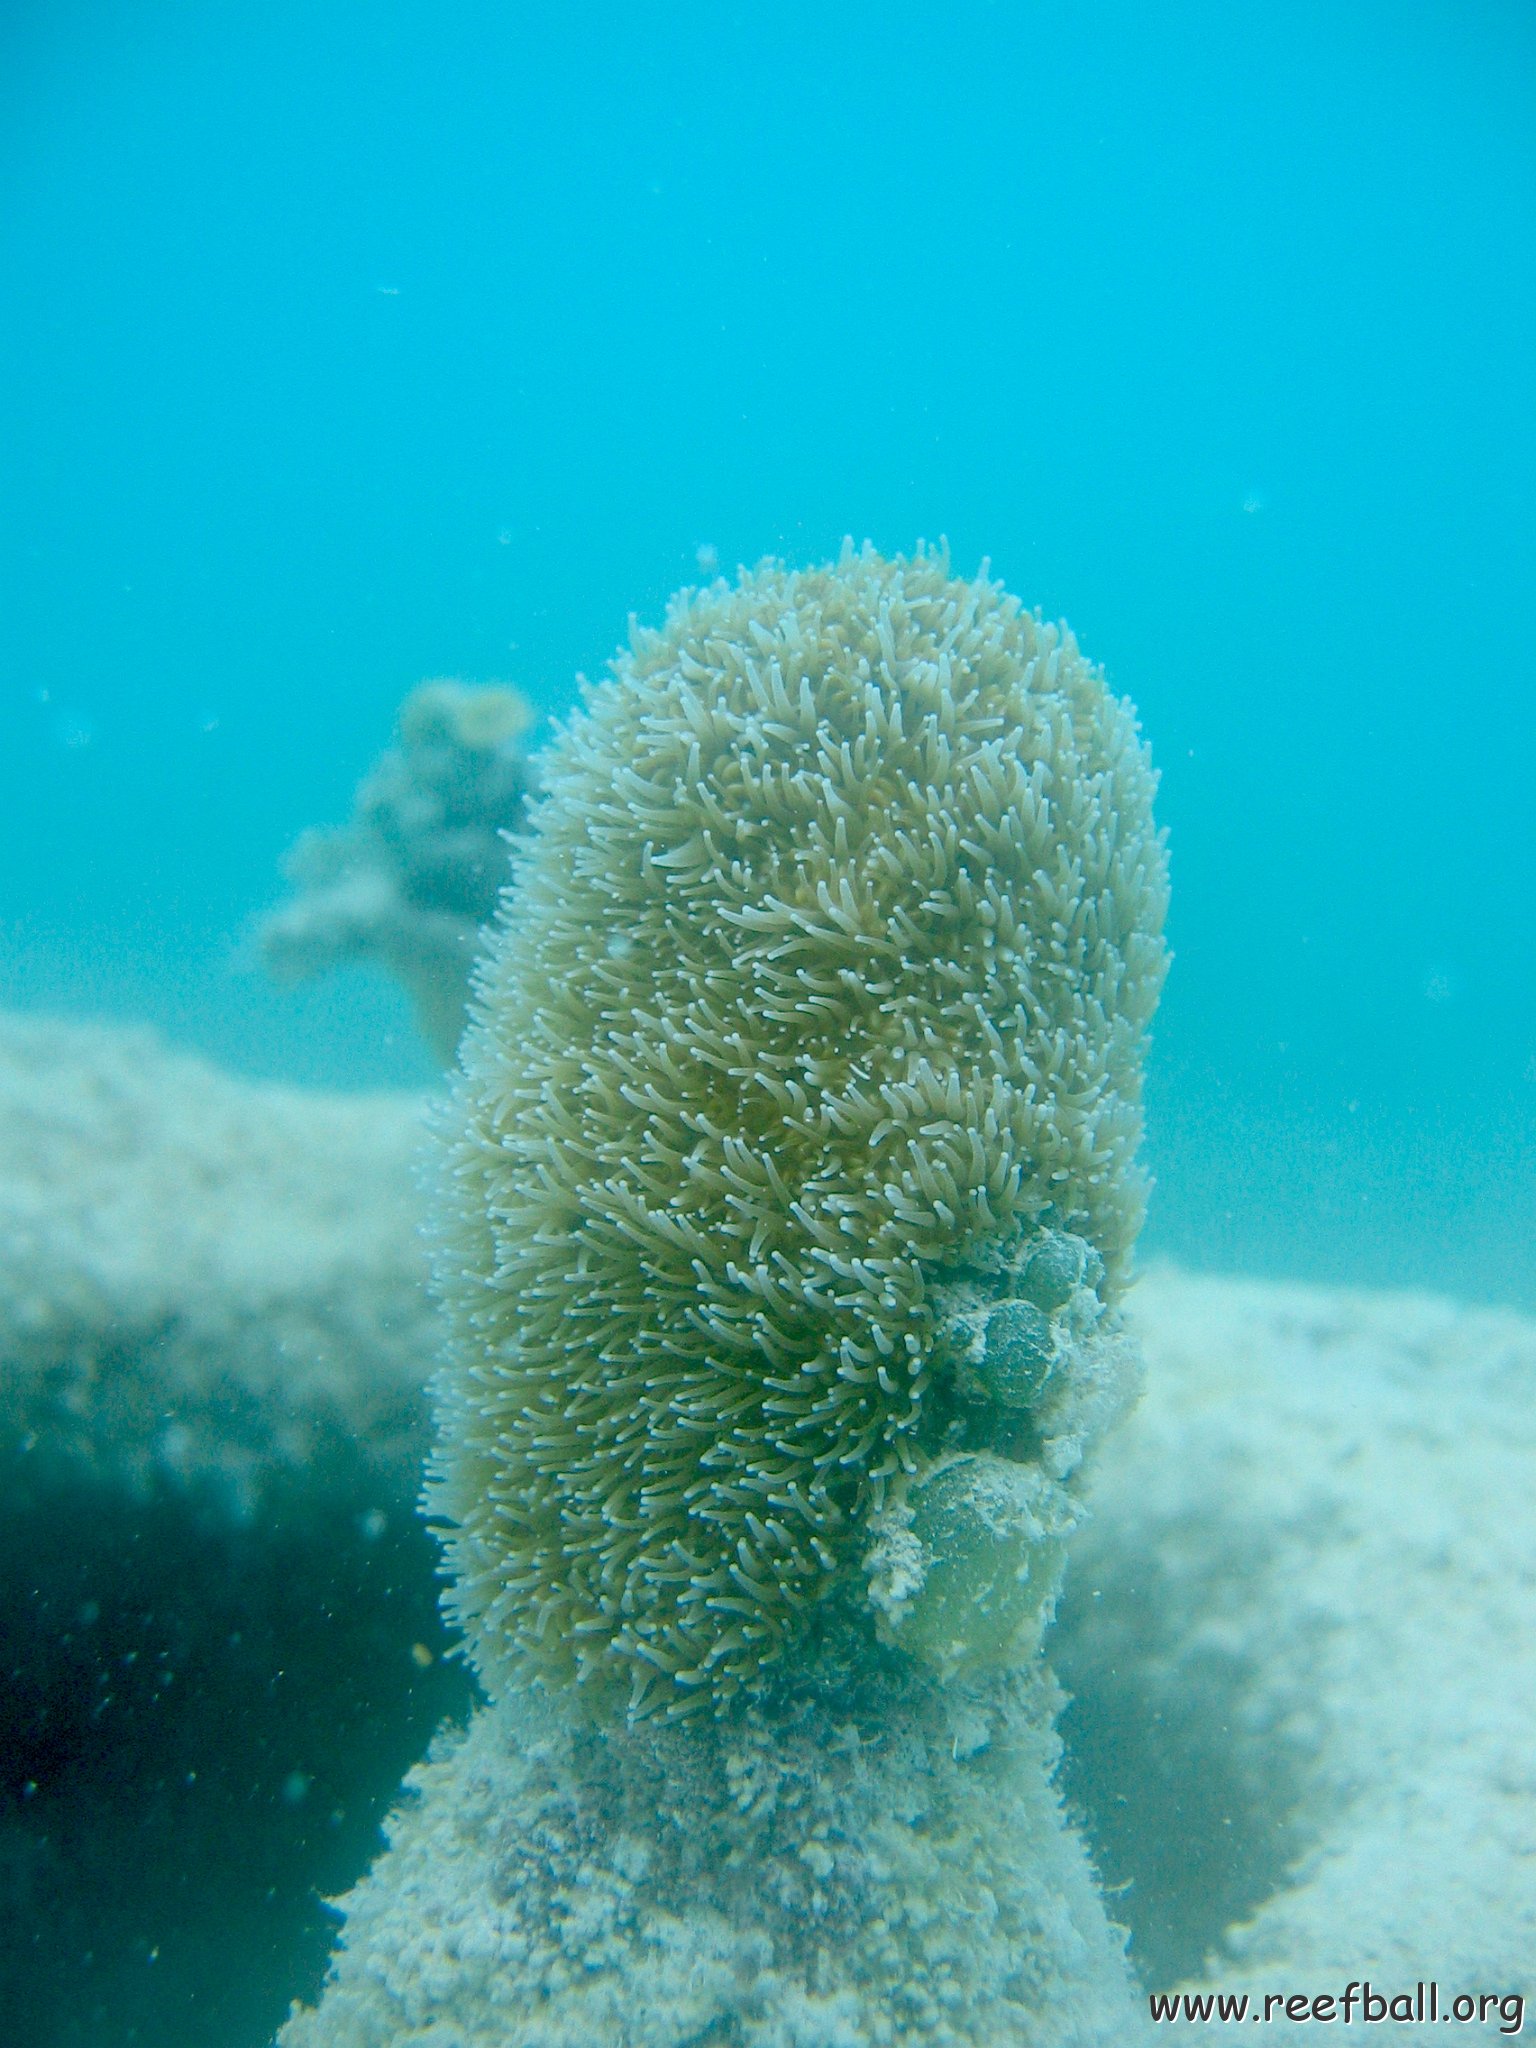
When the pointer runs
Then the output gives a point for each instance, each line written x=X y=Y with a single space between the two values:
x=203 y=1281
x=1322 y=1522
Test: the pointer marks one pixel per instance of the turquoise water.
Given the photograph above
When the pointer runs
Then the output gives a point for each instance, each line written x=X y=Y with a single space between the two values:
x=343 y=345
x=346 y=345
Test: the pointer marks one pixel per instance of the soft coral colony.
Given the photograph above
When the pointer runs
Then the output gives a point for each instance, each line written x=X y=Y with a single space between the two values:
x=791 y=1178
x=785 y=1196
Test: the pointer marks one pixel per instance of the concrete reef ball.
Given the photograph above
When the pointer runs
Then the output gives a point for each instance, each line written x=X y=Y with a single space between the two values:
x=789 y=1179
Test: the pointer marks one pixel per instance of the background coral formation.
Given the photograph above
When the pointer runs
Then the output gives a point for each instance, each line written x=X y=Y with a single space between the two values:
x=413 y=876
x=835 y=943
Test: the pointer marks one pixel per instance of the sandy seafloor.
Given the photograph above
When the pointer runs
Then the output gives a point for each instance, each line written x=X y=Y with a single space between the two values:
x=1298 y=1641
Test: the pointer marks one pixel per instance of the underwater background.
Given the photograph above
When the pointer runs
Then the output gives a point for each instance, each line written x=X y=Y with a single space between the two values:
x=345 y=345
